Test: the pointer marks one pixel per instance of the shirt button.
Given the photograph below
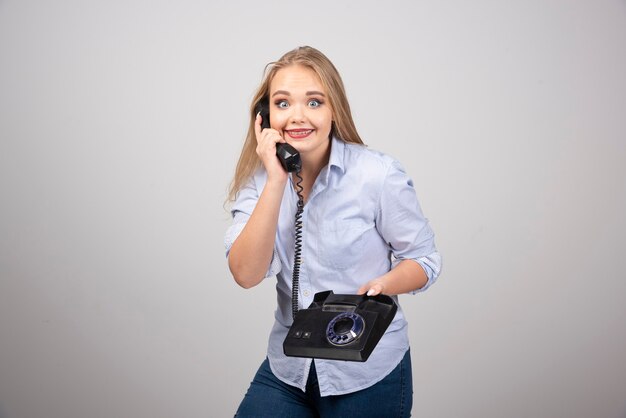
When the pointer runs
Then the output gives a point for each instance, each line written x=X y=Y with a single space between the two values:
x=306 y=293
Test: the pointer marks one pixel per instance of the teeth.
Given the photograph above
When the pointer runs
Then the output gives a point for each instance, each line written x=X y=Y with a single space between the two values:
x=301 y=132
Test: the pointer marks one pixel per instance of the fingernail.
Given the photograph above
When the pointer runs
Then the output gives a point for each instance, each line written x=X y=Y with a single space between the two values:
x=258 y=114
x=370 y=292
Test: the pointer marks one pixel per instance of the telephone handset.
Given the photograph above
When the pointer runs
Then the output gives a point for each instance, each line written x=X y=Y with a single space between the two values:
x=291 y=162
x=288 y=156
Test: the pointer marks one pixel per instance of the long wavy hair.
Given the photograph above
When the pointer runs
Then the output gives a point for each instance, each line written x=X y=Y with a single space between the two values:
x=343 y=127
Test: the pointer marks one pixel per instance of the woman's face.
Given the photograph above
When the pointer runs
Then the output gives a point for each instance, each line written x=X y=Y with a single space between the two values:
x=299 y=109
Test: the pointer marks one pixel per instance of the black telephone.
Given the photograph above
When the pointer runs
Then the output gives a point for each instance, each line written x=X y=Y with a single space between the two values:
x=288 y=156
x=336 y=327
x=340 y=327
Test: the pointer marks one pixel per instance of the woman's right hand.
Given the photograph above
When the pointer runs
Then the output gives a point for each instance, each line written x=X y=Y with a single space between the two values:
x=251 y=253
x=266 y=150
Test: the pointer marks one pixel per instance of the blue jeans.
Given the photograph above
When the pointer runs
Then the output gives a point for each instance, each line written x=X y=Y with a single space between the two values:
x=269 y=397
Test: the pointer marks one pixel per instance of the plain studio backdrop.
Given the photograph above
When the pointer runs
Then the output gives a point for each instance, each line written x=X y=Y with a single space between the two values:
x=120 y=126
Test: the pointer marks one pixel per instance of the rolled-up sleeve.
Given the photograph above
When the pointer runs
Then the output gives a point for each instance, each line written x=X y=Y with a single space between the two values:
x=244 y=204
x=402 y=224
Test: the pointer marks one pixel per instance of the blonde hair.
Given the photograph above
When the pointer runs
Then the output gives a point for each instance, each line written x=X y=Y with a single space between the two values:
x=343 y=127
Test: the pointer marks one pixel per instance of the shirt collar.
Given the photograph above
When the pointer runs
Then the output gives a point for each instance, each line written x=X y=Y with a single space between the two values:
x=337 y=149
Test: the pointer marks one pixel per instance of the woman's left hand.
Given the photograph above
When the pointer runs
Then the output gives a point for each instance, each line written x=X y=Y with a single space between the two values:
x=373 y=287
x=406 y=276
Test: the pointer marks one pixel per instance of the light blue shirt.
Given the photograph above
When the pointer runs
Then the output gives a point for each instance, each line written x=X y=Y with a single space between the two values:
x=362 y=217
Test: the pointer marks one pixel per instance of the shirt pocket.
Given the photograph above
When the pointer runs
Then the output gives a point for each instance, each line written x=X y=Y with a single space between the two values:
x=341 y=244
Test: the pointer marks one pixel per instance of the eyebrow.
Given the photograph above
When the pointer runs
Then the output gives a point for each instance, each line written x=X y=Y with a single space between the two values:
x=308 y=93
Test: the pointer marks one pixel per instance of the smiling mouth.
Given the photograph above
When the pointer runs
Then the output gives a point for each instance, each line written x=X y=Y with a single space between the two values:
x=299 y=133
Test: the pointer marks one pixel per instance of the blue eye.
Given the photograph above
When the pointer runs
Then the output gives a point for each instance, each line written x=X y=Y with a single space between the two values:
x=315 y=103
x=283 y=104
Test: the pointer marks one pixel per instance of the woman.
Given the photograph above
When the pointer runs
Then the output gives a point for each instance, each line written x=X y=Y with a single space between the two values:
x=363 y=232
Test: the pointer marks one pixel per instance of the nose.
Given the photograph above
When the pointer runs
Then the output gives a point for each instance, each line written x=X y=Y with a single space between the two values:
x=297 y=114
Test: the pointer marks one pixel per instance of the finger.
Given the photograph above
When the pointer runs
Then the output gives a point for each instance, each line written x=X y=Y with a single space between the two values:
x=362 y=290
x=375 y=290
x=257 y=126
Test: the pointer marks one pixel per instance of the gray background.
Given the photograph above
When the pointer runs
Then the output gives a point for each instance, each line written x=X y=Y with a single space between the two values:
x=120 y=125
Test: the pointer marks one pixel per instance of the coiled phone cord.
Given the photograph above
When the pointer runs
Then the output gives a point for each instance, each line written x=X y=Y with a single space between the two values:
x=297 y=256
